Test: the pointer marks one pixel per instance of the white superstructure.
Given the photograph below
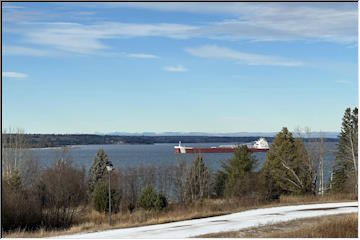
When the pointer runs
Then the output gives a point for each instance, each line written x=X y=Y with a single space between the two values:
x=261 y=143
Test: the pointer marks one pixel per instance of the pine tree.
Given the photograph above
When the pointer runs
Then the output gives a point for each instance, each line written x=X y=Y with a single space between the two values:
x=237 y=171
x=354 y=136
x=285 y=170
x=97 y=170
x=344 y=175
x=198 y=180
x=304 y=168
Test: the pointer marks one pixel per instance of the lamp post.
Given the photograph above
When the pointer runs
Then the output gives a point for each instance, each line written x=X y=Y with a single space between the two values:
x=109 y=168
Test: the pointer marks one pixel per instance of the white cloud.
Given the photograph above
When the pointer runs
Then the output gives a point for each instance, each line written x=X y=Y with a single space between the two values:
x=81 y=38
x=178 y=68
x=244 y=21
x=14 y=75
x=142 y=55
x=215 y=52
x=24 y=51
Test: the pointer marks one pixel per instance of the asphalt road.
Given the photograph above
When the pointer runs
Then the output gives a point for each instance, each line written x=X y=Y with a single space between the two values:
x=230 y=222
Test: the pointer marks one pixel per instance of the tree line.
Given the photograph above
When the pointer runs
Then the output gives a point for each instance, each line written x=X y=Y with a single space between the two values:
x=58 y=195
x=60 y=140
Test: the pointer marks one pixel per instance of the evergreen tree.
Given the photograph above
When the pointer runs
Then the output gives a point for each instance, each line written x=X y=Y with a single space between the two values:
x=161 y=202
x=14 y=180
x=150 y=200
x=147 y=198
x=344 y=175
x=237 y=171
x=100 y=198
x=354 y=135
x=219 y=183
x=304 y=167
x=285 y=170
x=198 y=180
x=97 y=170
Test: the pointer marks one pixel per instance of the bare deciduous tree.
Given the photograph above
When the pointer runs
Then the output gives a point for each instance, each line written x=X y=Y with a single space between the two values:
x=64 y=190
x=13 y=150
x=180 y=172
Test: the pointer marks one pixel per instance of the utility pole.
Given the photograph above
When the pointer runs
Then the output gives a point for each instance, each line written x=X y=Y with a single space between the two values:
x=109 y=168
x=321 y=166
x=109 y=198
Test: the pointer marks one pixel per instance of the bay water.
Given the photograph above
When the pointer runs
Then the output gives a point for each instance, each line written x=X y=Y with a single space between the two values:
x=132 y=155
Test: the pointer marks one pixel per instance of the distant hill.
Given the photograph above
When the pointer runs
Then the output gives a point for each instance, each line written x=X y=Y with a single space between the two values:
x=235 y=134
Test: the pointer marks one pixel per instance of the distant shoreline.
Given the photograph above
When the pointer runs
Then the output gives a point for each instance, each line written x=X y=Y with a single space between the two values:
x=61 y=140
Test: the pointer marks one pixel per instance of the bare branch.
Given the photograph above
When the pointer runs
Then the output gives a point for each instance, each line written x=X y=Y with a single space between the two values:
x=293 y=172
x=288 y=179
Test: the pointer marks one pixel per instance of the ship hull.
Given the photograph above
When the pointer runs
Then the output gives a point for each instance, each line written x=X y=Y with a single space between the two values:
x=214 y=150
x=260 y=145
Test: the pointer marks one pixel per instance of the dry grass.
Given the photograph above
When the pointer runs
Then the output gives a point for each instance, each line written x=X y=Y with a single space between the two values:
x=344 y=226
x=314 y=198
x=92 y=221
x=337 y=226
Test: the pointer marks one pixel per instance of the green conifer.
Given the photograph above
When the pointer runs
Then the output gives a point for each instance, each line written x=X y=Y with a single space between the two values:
x=97 y=170
x=285 y=170
x=344 y=174
x=237 y=170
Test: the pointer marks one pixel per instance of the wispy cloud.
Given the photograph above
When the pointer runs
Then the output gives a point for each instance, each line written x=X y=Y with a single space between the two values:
x=343 y=81
x=178 y=68
x=14 y=75
x=81 y=38
x=242 y=21
x=215 y=52
x=142 y=55
x=24 y=51
x=6 y=6
x=335 y=22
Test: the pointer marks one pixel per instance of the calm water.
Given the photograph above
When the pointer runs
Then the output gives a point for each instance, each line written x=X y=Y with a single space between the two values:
x=126 y=155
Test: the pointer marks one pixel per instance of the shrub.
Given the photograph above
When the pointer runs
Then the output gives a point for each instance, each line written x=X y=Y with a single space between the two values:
x=147 y=198
x=14 y=180
x=160 y=202
x=150 y=200
x=21 y=209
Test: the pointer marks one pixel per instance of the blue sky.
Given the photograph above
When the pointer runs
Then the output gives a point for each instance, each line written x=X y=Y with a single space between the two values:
x=229 y=67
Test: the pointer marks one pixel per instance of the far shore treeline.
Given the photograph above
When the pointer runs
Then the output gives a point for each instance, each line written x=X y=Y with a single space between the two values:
x=60 y=140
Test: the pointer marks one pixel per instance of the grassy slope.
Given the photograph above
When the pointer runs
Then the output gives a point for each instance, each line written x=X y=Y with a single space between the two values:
x=91 y=220
x=337 y=226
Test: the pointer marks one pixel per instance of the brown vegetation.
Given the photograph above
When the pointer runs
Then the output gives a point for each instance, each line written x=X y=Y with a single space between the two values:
x=337 y=226
x=91 y=221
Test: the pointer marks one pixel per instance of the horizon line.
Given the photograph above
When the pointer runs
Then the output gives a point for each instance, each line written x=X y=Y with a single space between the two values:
x=178 y=133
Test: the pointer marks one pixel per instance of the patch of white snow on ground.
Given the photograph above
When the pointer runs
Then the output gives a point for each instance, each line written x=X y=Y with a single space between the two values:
x=225 y=223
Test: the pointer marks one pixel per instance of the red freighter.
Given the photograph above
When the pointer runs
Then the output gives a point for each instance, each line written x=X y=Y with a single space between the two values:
x=260 y=145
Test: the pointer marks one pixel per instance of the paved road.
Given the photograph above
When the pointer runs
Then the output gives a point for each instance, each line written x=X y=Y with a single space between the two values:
x=230 y=222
